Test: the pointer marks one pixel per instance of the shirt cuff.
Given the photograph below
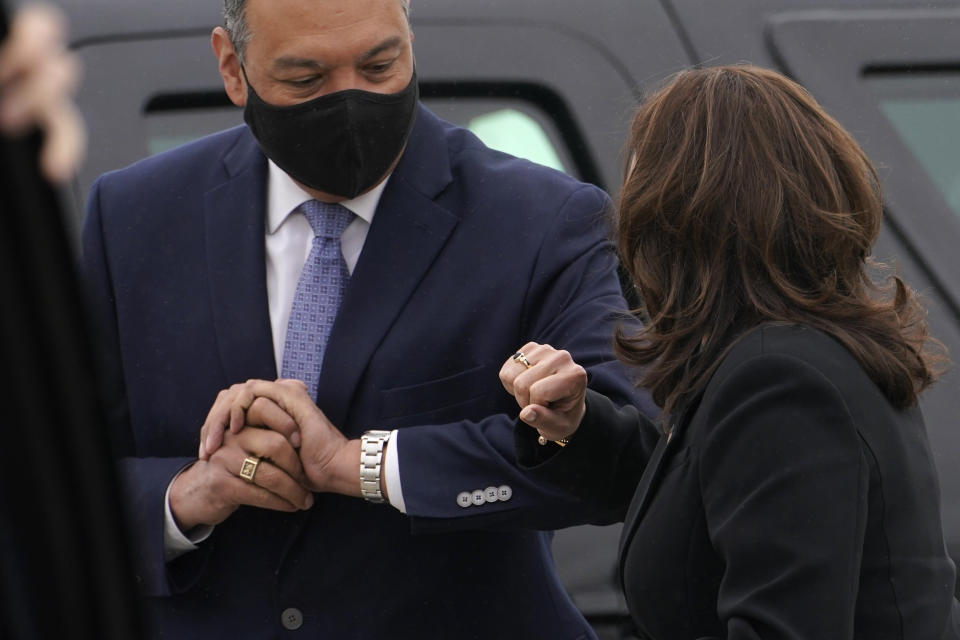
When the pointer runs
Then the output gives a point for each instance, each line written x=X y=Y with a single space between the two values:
x=391 y=470
x=175 y=542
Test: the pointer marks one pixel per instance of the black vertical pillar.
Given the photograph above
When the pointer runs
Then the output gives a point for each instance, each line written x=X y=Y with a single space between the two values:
x=64 y=559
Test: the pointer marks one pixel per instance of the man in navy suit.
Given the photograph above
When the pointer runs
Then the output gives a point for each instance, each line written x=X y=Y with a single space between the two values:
x=452 y=255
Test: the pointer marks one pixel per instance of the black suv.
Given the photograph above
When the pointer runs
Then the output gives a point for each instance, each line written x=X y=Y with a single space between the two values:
x=556 y=81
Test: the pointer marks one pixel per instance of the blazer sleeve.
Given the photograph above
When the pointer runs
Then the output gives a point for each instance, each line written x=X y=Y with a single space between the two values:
x=573 y=301
x=605 y=457
x=784 y=482
x=144 y=480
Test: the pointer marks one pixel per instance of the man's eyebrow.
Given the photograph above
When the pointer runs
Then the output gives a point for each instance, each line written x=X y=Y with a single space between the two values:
x=389 y=43
x=286 y=63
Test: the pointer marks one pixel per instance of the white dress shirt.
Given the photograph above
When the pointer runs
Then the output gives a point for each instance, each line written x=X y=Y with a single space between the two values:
x=289 y=239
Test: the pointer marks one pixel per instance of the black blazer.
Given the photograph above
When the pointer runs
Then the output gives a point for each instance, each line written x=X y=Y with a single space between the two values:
x=792 y=501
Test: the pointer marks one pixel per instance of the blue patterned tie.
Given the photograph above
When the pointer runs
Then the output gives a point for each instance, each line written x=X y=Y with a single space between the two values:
x=319 y=291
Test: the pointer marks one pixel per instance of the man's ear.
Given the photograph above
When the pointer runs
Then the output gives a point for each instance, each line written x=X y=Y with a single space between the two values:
x=229 y=64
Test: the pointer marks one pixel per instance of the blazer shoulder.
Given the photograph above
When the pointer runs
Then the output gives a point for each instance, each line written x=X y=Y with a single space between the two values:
x=211 y=157
x=780 y=383
x=813 y=359
x=151 y=196
x=517 y=179
x=806 y=345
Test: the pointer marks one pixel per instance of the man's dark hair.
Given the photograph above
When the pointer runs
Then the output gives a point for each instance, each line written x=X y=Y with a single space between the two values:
x=235 y=22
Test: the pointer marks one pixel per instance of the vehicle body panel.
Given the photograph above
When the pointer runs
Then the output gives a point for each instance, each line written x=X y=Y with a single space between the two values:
x=149 y=68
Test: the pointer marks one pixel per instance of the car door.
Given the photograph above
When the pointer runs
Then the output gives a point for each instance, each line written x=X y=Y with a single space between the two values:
x=887 y=70
x=892 y=77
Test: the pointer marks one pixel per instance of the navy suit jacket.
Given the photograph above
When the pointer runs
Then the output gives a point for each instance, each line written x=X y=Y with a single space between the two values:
x=471 y=254
x=792 y=502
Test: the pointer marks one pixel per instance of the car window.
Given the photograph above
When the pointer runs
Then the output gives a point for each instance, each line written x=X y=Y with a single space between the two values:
x=167 y=129
x=924 y=109
x=514 y=126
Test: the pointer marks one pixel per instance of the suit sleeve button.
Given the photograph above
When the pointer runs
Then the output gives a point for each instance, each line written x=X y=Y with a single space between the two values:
x=465 y=499
x=292 y=619
x=479 y=497
x=492 y=494
x=504 y=492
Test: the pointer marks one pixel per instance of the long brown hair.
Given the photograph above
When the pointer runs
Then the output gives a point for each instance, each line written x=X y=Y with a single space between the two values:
x=746 y=203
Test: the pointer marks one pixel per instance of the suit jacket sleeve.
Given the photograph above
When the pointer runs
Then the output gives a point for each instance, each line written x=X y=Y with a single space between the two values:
x=605 y=458
x=784 y=481
x=144 y=480
x=573 y=302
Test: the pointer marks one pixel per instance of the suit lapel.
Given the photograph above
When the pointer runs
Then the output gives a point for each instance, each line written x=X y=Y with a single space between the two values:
x=408 y=232
x=236 y=264
x=647 y=486
x=643 y=492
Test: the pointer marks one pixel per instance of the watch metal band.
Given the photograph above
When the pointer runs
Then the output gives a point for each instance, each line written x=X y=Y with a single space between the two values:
x=372 y=444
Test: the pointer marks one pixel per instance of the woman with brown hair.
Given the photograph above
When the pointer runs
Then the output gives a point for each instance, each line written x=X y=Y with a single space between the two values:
x=791 y=492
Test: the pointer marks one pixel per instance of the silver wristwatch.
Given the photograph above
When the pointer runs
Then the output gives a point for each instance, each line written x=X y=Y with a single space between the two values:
x=372 y=444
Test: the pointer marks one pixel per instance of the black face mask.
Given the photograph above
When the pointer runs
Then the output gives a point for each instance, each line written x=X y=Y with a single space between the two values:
x=342 y=143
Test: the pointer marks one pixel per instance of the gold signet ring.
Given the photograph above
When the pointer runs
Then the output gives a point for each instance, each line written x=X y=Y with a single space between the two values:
x=519 y=358
x=249 y=468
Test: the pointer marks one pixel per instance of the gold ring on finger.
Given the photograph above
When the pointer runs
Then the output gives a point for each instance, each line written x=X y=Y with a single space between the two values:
x=562 y=442
x=249 y=468
x=520 y=358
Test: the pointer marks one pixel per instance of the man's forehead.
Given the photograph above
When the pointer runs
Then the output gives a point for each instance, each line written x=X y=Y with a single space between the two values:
x=323 y=34
x=332 y=13
x=357 y=24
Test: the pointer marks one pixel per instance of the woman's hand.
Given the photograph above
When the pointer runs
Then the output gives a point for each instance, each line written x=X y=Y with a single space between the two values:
x=549 y=387
x=38 y=77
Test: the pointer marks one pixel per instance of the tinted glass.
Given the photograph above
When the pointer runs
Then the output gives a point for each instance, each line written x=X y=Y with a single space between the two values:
x=924 y=108
x=169 y=129
x=510 y=125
